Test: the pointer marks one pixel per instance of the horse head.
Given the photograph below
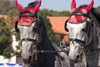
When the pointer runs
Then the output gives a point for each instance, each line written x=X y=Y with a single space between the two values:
x=79 y=27
x=30 y=28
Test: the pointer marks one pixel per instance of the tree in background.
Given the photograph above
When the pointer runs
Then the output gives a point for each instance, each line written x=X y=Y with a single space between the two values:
x=55 y=13
x=98 y=8
x=5 y=6
x=5 y=37
x=8 y=52
x=12 y=14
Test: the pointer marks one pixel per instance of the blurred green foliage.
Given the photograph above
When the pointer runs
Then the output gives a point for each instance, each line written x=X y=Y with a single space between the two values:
x=5 y=37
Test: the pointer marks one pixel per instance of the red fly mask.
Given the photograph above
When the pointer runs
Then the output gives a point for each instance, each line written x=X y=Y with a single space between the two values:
x=26 y=16
x=79 y=14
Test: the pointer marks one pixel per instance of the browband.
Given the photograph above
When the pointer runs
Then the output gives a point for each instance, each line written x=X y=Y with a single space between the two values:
x=80 y=13
x=27 y=15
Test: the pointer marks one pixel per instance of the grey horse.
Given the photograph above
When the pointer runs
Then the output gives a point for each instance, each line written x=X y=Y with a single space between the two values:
x=34 y=39
x=84 y=35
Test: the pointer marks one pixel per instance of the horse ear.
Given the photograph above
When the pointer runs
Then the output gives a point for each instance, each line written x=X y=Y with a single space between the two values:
x=89 y=7
x=37 y=7
x=73 y=5
x=20 y=9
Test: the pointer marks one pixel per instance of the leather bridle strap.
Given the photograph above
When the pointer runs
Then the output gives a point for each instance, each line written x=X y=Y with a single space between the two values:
x=27 y=15
x=27 y=39
x=71 y=39
x=80 y=13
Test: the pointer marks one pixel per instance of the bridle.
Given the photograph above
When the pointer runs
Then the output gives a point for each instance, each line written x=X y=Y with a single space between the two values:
x=24 y=15
x=89 y=25
x=38 y=24
x=90 y=35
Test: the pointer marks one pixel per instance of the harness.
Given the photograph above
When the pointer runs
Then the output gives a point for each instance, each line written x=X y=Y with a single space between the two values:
x=38 y=24
x=88 y=30
x=81 y=14
x=24 y=15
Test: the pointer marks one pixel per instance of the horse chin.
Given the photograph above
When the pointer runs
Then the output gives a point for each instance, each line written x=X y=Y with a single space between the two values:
x=27 y=62
x=78 y=60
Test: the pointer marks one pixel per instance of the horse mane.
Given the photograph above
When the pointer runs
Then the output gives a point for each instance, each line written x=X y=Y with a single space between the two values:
x=95 y=12
x=95 y=15
x=43 y=25
x=33 y=4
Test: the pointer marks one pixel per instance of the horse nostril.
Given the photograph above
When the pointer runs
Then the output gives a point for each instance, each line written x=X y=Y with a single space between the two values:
x=67 y=53
x=77 y=57
x=30 y=57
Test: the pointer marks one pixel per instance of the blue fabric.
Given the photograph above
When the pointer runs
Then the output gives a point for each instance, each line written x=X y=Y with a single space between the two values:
x=10 y=65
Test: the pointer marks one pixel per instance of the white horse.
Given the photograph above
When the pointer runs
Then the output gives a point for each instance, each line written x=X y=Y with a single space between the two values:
x=84 y=36
x=33 y=38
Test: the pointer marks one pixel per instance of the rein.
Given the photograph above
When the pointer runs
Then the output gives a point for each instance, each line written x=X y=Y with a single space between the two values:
x=41 y=51
x=46 y=51
x=92 y=50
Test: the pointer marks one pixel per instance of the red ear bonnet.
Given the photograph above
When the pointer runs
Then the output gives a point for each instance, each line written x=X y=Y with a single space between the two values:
x=73 y=5
x=90 y=6
x=37 y=7
x=20 y=9
x=27 y=21
x=87 y=10
x=79 y=18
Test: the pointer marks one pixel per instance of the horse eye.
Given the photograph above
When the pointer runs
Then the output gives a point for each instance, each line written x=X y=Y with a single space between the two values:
x=83 y=29
x=34 y=29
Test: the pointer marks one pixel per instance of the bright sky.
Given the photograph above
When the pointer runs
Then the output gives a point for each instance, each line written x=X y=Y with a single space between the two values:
x=59 y=5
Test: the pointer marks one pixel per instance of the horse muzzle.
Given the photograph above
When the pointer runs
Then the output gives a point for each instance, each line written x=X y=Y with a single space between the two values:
x=27 y=60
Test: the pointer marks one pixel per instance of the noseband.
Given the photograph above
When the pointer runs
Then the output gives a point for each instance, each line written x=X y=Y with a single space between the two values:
x=71 y=39
x=27 y=39
x=37 y=31
x=89 y=31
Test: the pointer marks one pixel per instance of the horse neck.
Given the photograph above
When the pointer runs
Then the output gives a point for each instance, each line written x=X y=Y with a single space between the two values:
x=92 y=57
x=44 y=58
